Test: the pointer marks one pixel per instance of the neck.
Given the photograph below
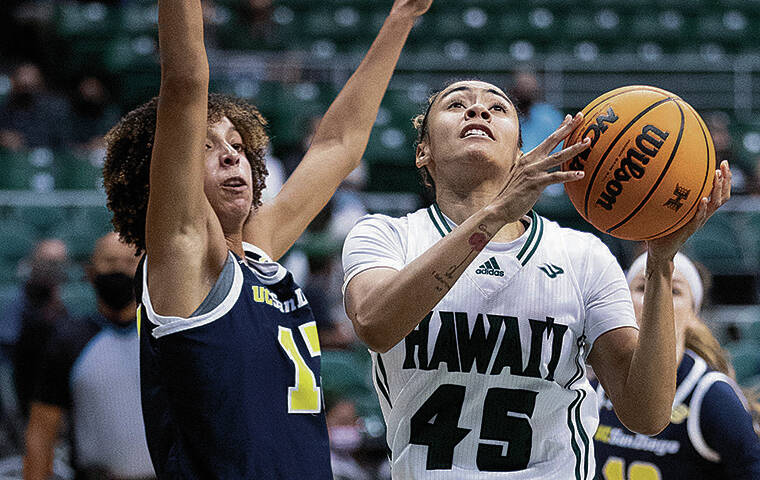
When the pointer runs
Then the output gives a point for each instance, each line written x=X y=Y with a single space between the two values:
x=235 y=243
x=461 y=205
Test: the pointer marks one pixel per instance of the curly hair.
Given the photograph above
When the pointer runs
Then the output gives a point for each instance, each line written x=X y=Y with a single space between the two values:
x=129 y=148
x=420 y=124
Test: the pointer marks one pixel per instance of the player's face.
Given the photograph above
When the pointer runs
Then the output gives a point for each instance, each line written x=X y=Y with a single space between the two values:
x=472 y=127
x=683 y=303
x=228 y=179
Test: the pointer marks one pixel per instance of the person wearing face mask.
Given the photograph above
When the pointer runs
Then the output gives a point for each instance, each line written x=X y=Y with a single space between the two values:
x=31 y=320
x=31 y=116
x=90 y=371
x=711 y=433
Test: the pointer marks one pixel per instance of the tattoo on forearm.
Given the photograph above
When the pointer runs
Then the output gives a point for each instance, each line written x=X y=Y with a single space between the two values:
x=477 y=242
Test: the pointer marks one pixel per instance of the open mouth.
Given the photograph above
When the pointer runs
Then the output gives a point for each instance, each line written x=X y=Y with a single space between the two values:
x=235 y=183
x=476 y=131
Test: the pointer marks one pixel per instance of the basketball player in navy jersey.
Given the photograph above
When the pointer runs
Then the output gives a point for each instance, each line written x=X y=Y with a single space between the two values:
x=229 y=351
x=711 y=433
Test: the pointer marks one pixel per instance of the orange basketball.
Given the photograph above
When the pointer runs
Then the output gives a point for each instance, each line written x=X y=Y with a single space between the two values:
x=650 y=162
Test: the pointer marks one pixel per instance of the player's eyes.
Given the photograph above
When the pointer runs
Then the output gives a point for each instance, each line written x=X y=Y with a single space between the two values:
x=455 y=104
x=238 y=147
x=208 y=146
x=499 y=107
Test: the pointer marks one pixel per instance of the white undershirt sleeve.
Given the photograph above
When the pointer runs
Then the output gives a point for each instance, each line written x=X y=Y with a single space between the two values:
x=375 y=241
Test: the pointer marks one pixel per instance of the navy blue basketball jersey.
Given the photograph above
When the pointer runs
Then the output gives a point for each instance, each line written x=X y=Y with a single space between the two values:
x=234 y=392
x=710 y=435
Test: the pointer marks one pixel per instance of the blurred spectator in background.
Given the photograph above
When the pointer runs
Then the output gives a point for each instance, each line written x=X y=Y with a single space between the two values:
x=718 y=124
x=538 y=119
x=90 y=370
x=40 y=310
x=93 y=114
x=258 y=16
x=354 y=455
x=30 y=116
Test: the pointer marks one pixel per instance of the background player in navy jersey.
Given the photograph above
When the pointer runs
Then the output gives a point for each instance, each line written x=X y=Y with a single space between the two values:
x=711 y=432
x=229 y=352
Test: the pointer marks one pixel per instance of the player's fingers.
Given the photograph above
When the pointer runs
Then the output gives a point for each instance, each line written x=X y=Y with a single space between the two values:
x=563 y=155
x=726 y=169
x=565 y=128
x=562 y=177
x=716 y=194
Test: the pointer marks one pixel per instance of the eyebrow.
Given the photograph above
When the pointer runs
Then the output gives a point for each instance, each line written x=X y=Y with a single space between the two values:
x=468 y=89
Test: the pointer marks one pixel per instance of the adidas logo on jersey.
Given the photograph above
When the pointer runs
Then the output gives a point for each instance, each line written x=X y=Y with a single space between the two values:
x=490 y=268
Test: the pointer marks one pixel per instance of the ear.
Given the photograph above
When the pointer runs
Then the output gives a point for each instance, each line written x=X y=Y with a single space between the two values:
x=422 y=155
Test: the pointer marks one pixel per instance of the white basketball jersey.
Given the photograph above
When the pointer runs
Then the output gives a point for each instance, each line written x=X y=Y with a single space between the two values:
x=492 y=383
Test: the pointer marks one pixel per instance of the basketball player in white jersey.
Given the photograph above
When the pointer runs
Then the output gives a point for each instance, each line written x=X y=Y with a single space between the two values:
x=481 y=316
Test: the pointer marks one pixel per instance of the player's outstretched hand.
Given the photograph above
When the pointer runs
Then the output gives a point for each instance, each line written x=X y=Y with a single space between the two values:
x=531 y=172
x=666 y=247
x=414 y=8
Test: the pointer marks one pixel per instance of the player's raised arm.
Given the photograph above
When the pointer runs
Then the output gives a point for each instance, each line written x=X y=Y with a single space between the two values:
x=176 y=223
x=340 y=139
x=638 y=369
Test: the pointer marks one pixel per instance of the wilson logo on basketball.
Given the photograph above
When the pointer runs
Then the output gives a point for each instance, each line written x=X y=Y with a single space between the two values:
x=632 y=166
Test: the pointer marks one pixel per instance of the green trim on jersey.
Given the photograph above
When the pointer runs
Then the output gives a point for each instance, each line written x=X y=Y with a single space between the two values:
x=536 y=232
x=574 y=410
x=441 y=217
x=432 y=218
x=534 y=237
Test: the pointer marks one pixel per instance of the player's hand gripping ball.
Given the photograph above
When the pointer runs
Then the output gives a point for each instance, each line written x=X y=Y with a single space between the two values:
x=650 y=162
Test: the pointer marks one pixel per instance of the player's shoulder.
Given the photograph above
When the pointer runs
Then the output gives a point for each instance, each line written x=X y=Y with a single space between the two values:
x=717 y=391
x=583 y=248
x=379 y=221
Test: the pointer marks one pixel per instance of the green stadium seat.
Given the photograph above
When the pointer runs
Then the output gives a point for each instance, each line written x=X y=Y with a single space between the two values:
x=469 y=23
x=86 y=225
x=745 y=357
x=130 y=53
x=719 y=246
x=79 y=298
x=73 y=172
x=342 y=376
x=44 y=220
x=297 y=104
x=391 y=145
x=85 y=19
x=138 y=18
x=16 y=239
x=15 y=171
x=135 y=88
